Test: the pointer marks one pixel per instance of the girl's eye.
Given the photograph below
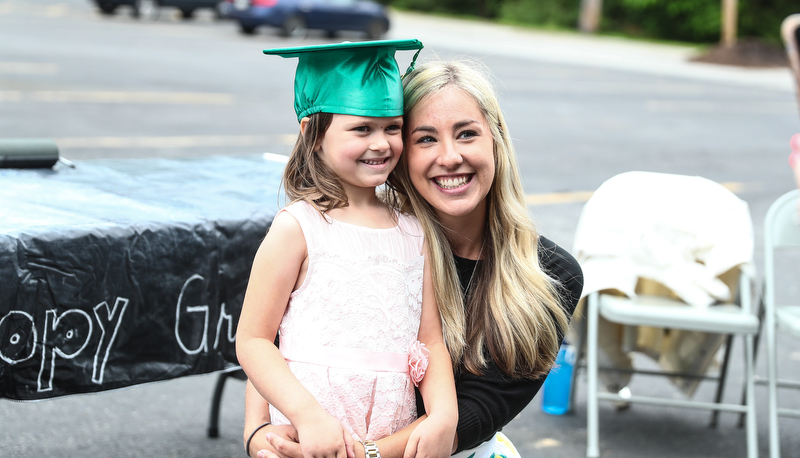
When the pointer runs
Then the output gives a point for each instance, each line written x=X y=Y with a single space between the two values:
x=361 y=129
x=394 y=128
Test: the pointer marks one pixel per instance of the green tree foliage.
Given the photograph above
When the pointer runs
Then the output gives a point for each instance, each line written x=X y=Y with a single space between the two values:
x=685 y=20
x=548 y=13
x=694 y=20
x=480 y=8
x=762 y=18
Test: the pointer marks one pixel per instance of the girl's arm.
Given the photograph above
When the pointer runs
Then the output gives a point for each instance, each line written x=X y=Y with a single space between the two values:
x=435 y=438
x=276 y=269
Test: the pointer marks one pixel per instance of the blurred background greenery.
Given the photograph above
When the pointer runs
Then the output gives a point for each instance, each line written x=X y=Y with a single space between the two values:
x=696 y=21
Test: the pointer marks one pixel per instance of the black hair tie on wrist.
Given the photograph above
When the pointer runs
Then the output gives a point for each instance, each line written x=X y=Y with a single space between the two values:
x=247 y=444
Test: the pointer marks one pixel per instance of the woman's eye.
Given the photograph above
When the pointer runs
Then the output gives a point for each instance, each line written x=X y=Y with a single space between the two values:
x=467 y=134
x=425 y=139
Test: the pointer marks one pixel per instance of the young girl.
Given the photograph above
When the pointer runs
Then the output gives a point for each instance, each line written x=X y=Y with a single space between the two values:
x=341 y=276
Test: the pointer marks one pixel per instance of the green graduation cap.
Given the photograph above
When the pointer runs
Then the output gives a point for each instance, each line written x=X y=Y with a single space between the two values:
x=359 y=79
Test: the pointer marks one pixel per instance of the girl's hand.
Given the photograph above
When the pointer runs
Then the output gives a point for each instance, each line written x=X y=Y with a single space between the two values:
x=324 y=437
x=432 y=438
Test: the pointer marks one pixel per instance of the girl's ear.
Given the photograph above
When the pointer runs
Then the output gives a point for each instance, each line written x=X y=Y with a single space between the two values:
x=303 y=126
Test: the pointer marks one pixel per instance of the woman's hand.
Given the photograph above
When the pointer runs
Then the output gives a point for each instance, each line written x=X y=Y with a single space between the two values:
x=284 y=443
x=323 y=436
x=433 y=438
x=277 y=441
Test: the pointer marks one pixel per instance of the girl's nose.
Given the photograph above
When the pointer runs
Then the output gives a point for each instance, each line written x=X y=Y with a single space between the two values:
x=379 y=142
x=449 y=157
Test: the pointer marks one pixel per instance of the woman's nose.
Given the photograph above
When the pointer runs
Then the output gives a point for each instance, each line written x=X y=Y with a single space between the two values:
x=449 y=157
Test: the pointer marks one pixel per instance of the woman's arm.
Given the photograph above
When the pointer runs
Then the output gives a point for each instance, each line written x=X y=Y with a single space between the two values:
x=283 y=442
x=486 y=403
x=256 y=415
x=560 y=265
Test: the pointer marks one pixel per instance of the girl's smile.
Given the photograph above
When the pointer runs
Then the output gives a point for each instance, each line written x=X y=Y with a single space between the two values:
x=376 y=162
x=361 y=151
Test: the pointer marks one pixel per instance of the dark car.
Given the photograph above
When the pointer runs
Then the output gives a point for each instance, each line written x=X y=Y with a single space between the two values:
x=149 y=9
x=294 y=17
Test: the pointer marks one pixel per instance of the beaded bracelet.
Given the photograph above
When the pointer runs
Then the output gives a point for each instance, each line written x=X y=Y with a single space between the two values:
x=247 y=444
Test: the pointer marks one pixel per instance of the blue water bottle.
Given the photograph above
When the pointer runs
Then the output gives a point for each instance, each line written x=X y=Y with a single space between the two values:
x=556 y=389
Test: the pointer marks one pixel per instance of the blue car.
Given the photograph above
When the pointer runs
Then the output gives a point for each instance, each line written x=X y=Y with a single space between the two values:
x=294 y=17
x=149 y=9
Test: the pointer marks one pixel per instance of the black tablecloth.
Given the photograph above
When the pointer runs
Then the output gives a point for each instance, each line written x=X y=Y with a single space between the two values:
x=120 y=272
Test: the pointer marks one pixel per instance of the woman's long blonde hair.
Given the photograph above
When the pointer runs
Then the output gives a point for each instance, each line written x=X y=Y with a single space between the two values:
x=514 y=312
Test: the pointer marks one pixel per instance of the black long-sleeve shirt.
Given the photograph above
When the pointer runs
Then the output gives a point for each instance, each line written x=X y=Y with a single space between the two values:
x=487 y=402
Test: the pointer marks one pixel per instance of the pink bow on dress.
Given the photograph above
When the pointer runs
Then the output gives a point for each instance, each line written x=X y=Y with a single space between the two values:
x=417 y=361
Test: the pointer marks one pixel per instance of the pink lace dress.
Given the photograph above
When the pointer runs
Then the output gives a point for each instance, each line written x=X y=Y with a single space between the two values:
x=348 y=329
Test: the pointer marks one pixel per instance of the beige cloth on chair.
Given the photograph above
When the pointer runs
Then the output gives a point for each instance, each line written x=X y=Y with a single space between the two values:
x=634 y=238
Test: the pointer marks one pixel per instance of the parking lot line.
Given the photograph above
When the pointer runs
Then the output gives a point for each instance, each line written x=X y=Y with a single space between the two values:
x=168 y=98
x=553 y=198
x=179 y=141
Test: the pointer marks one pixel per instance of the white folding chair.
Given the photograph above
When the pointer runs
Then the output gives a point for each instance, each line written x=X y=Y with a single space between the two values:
x=701 y=204
x=781 y=230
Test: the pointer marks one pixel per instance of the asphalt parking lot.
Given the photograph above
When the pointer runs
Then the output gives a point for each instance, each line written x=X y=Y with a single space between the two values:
x=581 y=108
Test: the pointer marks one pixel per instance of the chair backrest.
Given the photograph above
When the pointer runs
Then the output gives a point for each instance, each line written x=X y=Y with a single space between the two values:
x=781 y=230
x=682 y=231
x=782 y=223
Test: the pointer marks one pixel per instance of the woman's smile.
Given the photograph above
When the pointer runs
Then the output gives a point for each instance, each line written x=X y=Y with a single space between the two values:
x=450 y=153
x=453 y=182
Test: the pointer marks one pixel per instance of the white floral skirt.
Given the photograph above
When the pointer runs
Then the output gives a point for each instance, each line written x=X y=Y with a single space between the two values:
x=498 y=446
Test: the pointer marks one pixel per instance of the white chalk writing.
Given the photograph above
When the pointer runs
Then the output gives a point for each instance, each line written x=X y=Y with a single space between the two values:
x=68 y=325
x=19 y=326
x=65 y=335
x=203 y=347
x=224 y=317
x=106 y=340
